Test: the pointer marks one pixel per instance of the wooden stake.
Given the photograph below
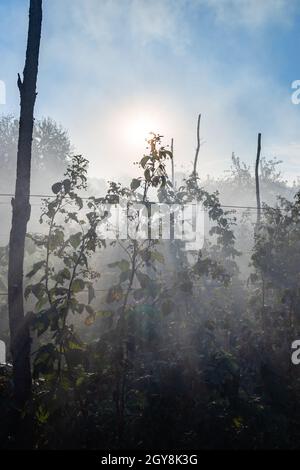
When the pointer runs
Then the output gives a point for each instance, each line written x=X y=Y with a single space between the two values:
x=257 y=180
x=198 y=146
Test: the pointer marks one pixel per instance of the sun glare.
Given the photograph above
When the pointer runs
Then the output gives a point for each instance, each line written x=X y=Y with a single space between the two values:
x=138 y=127
x=136 y=121
x=129 y=127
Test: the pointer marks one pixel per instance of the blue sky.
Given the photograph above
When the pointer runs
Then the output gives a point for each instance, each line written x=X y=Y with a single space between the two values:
x=108 y=65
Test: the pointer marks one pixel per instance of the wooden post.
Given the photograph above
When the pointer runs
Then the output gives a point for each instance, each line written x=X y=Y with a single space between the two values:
x=19 y=330
x=172 y=162
x=257 y=180
x=198 y=146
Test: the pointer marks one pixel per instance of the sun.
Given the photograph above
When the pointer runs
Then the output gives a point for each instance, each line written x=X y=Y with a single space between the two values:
x=129 y=127
x=138 y=127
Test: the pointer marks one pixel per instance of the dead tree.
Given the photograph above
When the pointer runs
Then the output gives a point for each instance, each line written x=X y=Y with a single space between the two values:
x=257 y=180
x=198 y=145
x=19 y=330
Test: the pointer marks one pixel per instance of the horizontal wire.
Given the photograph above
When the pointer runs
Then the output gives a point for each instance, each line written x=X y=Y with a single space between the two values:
x=85 y=291
x=41 y=196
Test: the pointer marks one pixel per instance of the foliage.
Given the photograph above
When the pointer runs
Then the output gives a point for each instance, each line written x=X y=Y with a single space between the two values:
x=177 y=350
x=51 y=150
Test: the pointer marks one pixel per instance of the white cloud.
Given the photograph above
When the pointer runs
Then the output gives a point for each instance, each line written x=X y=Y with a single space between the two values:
x=96 y=61
x=160 y=20
x=251 y=13
x=144 y=21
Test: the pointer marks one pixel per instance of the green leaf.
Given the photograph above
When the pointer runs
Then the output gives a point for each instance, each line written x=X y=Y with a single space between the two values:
x=89 y=310
x=78 y=285
x=42 y=414
x=79 y=308
x=41 y=302
x=156 y=256
x=41 y=321
x=80 y=381
x=79 y=202
x=144 y=161
x=56 y=188
x=75 y=240
x=67 y=185
x=38 y=290
x=135 y=184
x=144 y=279
x=104 y=313
x=36 y=267
x=91 y=293
x=238 y=422
x=123 y=265
x=75 y=345
x=124 y=276
x=62 y=275
x=27 y=292
x=44 y=360
x=56 y=239
x=3 y=286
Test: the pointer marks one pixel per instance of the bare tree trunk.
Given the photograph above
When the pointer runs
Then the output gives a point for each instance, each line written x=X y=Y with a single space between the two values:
x=19 y=331
x=257 y=180
x=198 y=146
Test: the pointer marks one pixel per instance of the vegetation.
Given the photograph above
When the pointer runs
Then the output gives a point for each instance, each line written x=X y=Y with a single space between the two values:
x=172 y=349
x=124 y=341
